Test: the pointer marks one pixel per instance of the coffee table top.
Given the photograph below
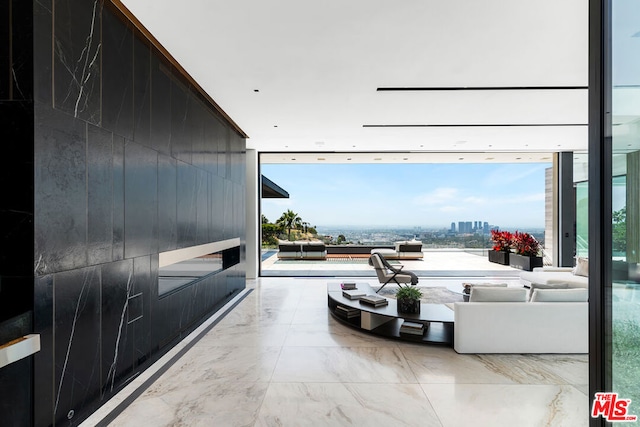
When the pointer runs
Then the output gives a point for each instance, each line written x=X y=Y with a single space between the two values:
x=428 y=312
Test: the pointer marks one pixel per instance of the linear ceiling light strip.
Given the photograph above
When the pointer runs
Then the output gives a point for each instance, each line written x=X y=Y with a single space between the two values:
x=472 y=88
x=479 y=125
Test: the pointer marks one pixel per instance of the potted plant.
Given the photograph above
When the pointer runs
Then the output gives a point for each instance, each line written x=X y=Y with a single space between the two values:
x=527 y=252
x=502 y=243
x=408 y=298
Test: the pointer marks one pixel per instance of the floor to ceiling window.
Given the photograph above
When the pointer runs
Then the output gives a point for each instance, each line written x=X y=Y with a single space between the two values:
x=625 y=201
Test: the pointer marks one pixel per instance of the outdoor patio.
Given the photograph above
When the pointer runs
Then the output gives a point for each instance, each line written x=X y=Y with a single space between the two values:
x=436 y=263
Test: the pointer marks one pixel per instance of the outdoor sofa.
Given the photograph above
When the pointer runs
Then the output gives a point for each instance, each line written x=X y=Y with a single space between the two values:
x=302 y=250
x=411 y=249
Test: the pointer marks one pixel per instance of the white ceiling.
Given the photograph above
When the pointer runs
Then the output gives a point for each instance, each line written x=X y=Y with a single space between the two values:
x=301 y=76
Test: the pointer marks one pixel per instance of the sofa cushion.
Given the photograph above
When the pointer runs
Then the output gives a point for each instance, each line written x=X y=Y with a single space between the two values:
x=560 y=295
x=582 y=267
x=498 y=294
x=553 y=276
x=535 y=286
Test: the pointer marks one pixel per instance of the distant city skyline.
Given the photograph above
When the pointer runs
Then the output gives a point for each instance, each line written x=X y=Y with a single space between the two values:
x=410 y=195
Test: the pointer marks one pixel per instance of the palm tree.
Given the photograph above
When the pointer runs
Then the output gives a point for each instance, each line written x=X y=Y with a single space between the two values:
x=289 y=220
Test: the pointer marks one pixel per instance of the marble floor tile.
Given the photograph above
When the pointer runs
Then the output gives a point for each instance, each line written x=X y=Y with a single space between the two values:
x=538 y=369
x=322 y=404
x=228 y=404
x=479 y=405
x=231 y=335
x=220 y=364
x=442 y=365
x=312 y=316
x=342 y=364
x=333 y=334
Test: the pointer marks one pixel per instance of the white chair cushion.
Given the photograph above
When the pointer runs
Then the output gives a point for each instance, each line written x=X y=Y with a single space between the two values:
x=560 y=295
x=498 y=294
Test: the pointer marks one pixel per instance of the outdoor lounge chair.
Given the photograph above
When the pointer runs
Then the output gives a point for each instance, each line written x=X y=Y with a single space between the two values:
x=387 y=273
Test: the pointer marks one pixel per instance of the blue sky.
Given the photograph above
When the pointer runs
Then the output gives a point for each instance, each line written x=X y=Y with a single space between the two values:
x=410 y=195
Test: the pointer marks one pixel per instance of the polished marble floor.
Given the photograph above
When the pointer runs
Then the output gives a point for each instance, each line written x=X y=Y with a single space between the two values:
x=279 y=359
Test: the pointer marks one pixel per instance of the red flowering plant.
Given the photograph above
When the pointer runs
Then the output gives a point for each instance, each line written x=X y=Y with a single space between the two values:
x=502 y=240
x=525 y=244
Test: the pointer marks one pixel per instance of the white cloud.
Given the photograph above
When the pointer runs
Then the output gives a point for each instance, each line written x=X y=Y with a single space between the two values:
x=436 y=197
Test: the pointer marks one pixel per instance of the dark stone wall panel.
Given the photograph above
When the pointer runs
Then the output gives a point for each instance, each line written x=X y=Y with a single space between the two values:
x=42 y=62
x=181 y=144
x=117 y=341
x=16 y=50
x=44 y=385
x=15 y=401
x=160 y=132
x=77 y=58
x=118 y=197
x=61 y=191
x=141 y=175
x=167 y=203
x=217 y=209
x=142 y=93
x=202 y=207
x=117 y=76
x=76 y=341
x=100 y=195
x=222 y=140
x=145 y=287
x=186 y=204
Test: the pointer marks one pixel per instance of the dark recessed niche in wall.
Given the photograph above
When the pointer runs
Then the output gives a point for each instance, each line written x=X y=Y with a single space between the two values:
x=190 y=265
x=230 y=257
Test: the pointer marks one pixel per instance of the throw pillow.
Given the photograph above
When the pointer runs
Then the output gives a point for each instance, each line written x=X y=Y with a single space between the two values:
x=535 y=286
x=498 y=294
x=560 y=295
x=582 y=267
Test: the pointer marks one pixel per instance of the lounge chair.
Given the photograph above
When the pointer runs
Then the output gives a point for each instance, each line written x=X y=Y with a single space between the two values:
x=387 y=273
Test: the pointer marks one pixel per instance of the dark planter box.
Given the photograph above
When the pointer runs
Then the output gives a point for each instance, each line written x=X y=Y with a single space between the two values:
x=526 y=263
x=499 y=257
x=409 y=306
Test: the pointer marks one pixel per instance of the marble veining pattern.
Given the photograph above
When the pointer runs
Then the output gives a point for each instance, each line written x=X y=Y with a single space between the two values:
x=277 y=360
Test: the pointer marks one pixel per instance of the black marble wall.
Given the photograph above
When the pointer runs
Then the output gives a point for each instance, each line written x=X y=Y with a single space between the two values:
x=16 y=205
x=128 y=161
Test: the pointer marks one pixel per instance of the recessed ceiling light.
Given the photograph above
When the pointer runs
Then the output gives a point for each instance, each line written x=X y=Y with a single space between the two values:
x=292 y=159
x=460 y=158
x=348 y=158
x=518 y=158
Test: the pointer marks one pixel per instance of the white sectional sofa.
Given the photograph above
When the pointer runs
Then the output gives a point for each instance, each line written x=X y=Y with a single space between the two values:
x=558 y=277
x=544 y=325
x=554 y=276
